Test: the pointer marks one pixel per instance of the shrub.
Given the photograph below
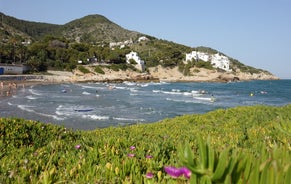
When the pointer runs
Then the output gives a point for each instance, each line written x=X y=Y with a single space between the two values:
x=83 y=69
x=117 y=67
x=132 y=62
x=98 y=69
x=203 y=64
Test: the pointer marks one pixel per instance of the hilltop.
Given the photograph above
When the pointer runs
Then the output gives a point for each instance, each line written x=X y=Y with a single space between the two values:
x=89 y=29
x=96 y=41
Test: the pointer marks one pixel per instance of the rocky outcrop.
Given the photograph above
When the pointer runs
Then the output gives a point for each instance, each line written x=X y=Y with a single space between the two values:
x=201 y=74
x=158 y=73
x=256 y=76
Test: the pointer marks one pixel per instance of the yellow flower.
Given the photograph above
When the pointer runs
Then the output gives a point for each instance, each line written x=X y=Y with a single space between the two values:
x=108 y=166
x=116 y=170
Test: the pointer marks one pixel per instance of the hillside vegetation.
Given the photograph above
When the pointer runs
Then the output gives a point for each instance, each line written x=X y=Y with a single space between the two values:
x=237 y=145
x=48 y=46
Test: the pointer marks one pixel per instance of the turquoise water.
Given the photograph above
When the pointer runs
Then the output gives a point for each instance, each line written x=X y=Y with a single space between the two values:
x=97 y=105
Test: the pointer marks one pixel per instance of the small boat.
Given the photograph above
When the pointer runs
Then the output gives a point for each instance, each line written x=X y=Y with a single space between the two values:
x=83 y=110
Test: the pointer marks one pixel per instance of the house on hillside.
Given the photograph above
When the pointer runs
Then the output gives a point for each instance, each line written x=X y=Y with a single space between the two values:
x=217 y=60
x=142 y=38
x=140 y=64
x=8 y=69
x=220 y=61
x=197 y=55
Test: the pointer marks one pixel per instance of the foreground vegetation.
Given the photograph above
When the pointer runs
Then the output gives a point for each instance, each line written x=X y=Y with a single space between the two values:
x=237 y=145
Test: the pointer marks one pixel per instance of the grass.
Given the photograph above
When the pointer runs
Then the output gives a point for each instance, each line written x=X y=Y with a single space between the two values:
x=249 y=141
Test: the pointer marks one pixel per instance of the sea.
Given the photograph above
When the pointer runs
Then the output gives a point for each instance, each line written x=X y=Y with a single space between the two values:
x=88 y=106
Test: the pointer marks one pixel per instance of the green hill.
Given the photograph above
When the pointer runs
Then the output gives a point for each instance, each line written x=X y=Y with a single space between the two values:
x=43 y=45
x=34 y=30
x=91 y=29
x=96 y=29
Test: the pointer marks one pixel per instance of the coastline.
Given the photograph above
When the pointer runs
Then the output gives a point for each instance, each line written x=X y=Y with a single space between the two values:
x=156 y=74
x=9 y=84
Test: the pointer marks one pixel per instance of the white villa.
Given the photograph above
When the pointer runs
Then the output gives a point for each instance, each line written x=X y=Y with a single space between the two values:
x=142 y=38
x=140 y=63
x=197 y=55
x=217 y=60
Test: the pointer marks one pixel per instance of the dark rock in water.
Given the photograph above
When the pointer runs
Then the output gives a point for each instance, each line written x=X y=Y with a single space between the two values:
x=235 y=79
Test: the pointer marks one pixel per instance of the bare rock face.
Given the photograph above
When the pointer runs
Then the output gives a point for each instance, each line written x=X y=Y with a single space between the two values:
x=246 y=76
x=160 y=73
x=256 y=76
x=228 y=77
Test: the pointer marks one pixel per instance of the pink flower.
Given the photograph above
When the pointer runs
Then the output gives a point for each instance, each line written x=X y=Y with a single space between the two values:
x=132 y=147
x=149 y=175
x=173 y=171
x=186 y=172
x=78 y=146
x=149 y=156
x=177 y=172
x=130 y=155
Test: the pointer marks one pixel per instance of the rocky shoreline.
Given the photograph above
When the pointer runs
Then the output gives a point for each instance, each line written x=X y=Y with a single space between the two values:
x=10 y=83
x=155 y=74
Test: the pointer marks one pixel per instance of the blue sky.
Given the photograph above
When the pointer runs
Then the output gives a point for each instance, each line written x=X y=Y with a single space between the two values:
x=256 y=32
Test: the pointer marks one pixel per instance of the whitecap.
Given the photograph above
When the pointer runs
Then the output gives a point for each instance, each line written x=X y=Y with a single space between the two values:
x=86 y=93
x=88 y=87
x=133 y=90
x=128 y=119
x=156 y=91
x=34 y=92
x=31 y=97
x=144 y=85
x=184 y=101
x=119 y=87
x=159 y=83
x=95 y=117
x=187 y=93
x=129 y=83
x=176 y=90
x=26 y=108
x=53 y=116
x=195 y=92
x=173 y=92
x=203 y=98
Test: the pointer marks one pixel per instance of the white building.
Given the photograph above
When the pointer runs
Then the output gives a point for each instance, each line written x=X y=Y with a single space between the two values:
x=140 y=63
x=220 y=61
x=217 y=60
x=142 y=38
x=11 y=69
x=197 y=55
